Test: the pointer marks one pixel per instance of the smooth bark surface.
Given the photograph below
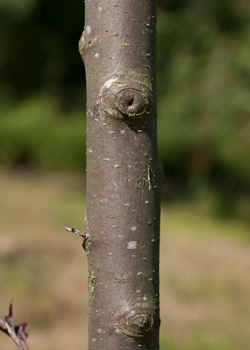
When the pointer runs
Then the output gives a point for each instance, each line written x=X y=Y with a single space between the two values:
x=124 y=174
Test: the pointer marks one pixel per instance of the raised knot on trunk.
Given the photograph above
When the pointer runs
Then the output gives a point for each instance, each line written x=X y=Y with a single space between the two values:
x=125 y=99
x=137 y=321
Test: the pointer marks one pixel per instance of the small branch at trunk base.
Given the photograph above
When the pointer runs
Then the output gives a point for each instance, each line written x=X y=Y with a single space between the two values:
x=16 y=333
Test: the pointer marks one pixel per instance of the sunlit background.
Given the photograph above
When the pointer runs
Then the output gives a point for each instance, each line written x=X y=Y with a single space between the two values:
x=203 y=70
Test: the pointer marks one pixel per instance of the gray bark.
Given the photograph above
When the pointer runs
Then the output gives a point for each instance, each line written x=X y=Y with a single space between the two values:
x=124 y=174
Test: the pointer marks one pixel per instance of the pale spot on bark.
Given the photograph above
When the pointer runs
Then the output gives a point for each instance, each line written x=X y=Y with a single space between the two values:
x=132 y=245
x=88 y=29
x=108 y=84
x=96 y=55
x=133 y=228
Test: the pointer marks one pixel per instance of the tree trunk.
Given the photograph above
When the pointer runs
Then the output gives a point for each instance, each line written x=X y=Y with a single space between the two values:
x=124 y=174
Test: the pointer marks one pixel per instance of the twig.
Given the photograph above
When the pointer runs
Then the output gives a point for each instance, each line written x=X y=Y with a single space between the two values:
x=79 y=233
x=16 y=333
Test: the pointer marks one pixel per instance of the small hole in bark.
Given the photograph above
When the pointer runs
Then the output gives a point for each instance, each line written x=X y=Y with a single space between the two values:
x=130 y=100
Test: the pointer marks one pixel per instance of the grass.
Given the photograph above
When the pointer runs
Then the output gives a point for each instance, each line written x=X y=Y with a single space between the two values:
x=205 y=263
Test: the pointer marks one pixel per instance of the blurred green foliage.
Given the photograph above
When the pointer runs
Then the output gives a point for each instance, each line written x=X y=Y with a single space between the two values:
x=196 y=342
x=203 y=90
x=37 y=134
x=204 y=97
